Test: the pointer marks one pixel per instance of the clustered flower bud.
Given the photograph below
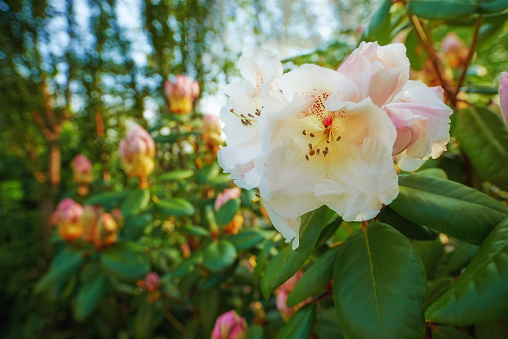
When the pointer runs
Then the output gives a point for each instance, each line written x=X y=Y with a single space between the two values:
x=212 y=131
x=68 y=218
x=137 y=152
x=230 y=326
x=106 y=231
x=82 y=173
x=282 y=294
x=181 y=94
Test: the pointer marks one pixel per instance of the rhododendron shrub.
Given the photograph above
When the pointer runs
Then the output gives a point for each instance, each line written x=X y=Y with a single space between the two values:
x=342 y=198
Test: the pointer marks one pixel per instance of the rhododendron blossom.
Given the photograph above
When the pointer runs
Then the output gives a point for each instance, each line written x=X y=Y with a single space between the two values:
x=328 y=137
x=82 y=169
x=181 y=94
x=241 y=116
x=503 y=96
x=230 y=326
x=68 y=218
x=137 y=152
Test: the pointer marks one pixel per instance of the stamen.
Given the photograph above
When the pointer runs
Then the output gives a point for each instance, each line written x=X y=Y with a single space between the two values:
x=306 y=157
x=326 y=149
x=338 y=138
x=310 y=146
x=304 y=133
x=251 y=115
x=317 y=151
x=258 y=112
x=312 y=135
x=312 y=152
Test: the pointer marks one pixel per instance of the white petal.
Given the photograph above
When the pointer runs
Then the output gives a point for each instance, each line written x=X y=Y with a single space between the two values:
x=258 y=65
x=289 y=228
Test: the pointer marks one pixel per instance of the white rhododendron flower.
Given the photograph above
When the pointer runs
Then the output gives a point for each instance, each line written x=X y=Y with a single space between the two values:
x=315 y=136
x=240 y=116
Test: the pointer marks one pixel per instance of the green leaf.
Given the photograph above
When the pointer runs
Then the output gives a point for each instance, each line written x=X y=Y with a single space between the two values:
x=381 y=15
x=145 y=321
x=379 y=285
x=106 y=198
x=433 y=172
x=175 y=175
x=89 y=296
x=497 y=329
x=314 y=279
x=247 y=239
x=288 y=261
x=480 y=292
x=491 y=6
x=227 y=212
x=139 y=220
x=219 y=255
x=64 y=265
x=483 y=136
x=449 y=207
x=415 y=52
x=188 y=264
x=406 y=227
x=135 y=202
x=327 y=325
x=207 y=173
x=175 y=207
x=126 y=261
x=300 y=325
x=438 y=287
x=261 y=261
x=441 y=9
x=445 y=332
x=195 y=230
x=429 y=252
x=460 y=257
x=255 y=332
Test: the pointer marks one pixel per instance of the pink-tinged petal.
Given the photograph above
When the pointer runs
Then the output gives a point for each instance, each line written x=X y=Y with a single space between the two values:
x=380 y=72
x=503 y=96
x=229 y=325
x=257 y=65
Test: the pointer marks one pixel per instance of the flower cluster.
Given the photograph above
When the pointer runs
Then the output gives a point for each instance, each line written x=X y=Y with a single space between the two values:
x=181 y=94
x=137 y=152
x=88 y=222
x=316 y=136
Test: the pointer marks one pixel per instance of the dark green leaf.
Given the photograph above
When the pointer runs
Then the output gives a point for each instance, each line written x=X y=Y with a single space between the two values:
x=381 y=15
x=415 y=51
x=438 y=287
x=406 y=227
x=441 y=9
x=255 y=332
x=378 y=277
x=429 y=252
x=227 y=212
x=207 y=173
x=288 y=261
x=497 y=329
x=209 y=309
x=195 y=230
x=145 y=321
x=247 y=239
x=491 y=6
x=300 y=325
x=219 y=255
x=135 y=202
x=480 y=292
x=445 y=332
x=261 y=261
x=106 y=198
x=175 y=207
x=64 y=265
x=126 y=261
x=314 y=279
x=432 y=172
x=460 y=257
x=449 y=207
x=89 y=296
x=188 y=264
x=175 y=175
x=139 y=220
x=483 y=136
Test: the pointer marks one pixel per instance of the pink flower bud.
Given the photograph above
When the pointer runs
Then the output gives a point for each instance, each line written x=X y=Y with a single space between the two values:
x=229 y=326
x=68 y=218
x=137 y=152
x=181 y=94
x=454 y=49
x=226 y=195
x=503 y=96
x=212 y=130
x=151 y=282
x=282 y=294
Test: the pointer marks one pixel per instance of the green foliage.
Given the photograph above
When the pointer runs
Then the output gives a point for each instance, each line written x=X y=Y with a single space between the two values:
x=125 y=261
x=378 y=277
x=300 y=325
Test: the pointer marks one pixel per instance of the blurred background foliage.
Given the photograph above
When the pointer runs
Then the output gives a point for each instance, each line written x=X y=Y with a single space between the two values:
x=76 y=74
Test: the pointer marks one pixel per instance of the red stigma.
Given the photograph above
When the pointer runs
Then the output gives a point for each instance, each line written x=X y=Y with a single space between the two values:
x=328 y=121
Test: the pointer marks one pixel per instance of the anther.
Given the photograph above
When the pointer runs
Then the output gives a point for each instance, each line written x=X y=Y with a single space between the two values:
x=244 y=122
x=232 y=110
x=317 y=151
x=326 y=149
x=327 y=141
x=258 y=112
x=310 y=146
x=312 y=135
x=304 y=133
x=312 y=152
x=325 y=153
x=251 y=115
x=338 y=138
x=306 y=157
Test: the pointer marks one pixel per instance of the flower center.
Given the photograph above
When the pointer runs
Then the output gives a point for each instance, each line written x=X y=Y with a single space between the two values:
x=250 y=118
x=329 y=135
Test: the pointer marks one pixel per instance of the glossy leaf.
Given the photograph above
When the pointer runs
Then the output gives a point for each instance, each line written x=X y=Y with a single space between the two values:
x=314 y=279
x=247 y=239
x=379 y=285
x=89 y=296
x=227 y=212
x=483 y=136
x=460 y=257
x=381 y=15
x=195 y=230
x=433 y=172
x=175 y=207
x=415 y=51
x=135 y=202
x=445 y=332
x=288 y=261
x=126 y=261
x=219 y=255
x=175 y=175
x=300 y=325
x=480 y=292
x=64 y=265
x=208 y=173
x=441 y=9
x=261 y=261
x=496 y=329
x=406 y=227
x=429 y=252
x=449 y=207
x=106 y=198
